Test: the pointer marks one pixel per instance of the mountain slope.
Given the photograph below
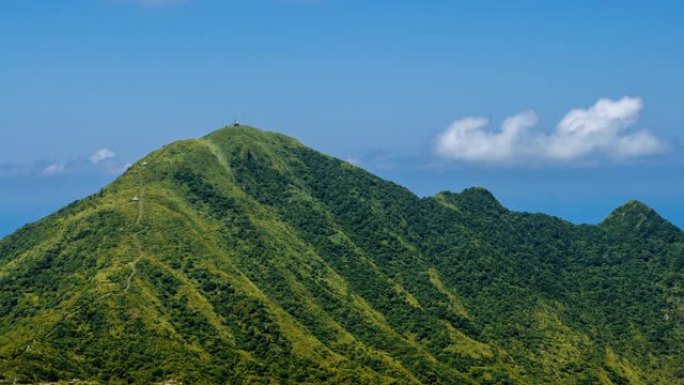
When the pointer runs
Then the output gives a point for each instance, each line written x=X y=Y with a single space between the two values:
x=249 y=258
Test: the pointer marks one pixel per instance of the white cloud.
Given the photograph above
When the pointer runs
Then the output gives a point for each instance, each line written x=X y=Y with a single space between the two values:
x=641 y=143
x=54 y=169
x=466 y=139
x=602 y=129
x=101 y=155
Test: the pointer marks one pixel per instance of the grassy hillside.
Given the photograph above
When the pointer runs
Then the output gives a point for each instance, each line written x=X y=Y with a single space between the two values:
x=248 y=258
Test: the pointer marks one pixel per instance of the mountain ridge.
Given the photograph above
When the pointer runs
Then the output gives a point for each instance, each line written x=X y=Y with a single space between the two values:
x=253 y=133
x=250 y=258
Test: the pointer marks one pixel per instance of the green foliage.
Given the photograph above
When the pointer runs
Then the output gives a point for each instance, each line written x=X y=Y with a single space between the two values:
x=251 y=259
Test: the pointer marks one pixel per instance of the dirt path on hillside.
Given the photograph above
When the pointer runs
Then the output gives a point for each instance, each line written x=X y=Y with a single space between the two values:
x=133 y=264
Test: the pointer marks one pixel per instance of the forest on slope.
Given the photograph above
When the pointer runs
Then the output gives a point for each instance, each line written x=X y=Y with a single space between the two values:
x=248 y=258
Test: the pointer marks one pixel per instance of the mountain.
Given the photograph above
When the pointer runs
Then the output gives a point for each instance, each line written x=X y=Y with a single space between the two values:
x=636 y=217
x=245 y=257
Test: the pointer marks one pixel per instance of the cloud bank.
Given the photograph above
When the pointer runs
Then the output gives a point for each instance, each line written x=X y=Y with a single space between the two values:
x=600 y=130
x=103 y=161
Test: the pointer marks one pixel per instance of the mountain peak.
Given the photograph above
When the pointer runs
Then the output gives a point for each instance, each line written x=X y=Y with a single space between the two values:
x=235 y=129
x=631 y=208
x=251 y=139
x=475 y=199
x=637 y=205
x=637 y=216
x=243 y=131
x=480 y=193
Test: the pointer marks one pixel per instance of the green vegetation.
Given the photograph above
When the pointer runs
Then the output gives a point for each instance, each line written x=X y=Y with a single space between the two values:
x=251 y=259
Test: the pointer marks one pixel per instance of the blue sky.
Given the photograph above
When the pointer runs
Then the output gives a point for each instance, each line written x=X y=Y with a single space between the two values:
x=569 y=108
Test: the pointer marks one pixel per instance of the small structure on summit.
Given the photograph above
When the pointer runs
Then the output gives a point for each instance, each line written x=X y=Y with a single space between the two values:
x=236 y=123
x=135 y=199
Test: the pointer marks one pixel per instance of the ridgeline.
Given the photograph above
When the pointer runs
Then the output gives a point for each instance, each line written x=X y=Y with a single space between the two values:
x=245 y=257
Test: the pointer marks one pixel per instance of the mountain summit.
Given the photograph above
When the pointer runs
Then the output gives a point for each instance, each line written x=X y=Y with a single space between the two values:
x=245 y=257
x=635 y=216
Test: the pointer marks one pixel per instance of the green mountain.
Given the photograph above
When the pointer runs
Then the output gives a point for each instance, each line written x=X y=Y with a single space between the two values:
x=245 y=257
